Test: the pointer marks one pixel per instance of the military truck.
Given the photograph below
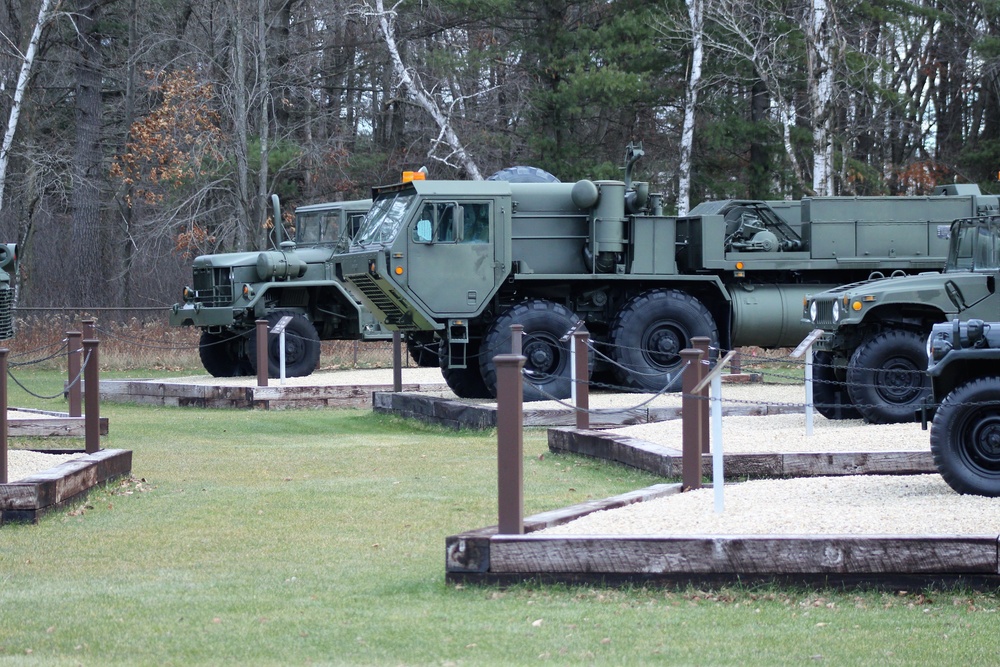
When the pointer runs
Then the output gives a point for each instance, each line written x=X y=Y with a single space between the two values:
x=964 y=369
x=466 y=260
x=8 y=273
x=232 y=290
x=871 y=357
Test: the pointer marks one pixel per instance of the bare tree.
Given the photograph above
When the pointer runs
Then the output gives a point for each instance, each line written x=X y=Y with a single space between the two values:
x=417 y=94
x=28 y=61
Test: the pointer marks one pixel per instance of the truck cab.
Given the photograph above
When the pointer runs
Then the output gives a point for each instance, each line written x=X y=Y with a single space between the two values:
x=230 y=291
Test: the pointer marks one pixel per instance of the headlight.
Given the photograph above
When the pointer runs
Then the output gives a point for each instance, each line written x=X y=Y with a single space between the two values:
x=836 y=311
x=813 y=310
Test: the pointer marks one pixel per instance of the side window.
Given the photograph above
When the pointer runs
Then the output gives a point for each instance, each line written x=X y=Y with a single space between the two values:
x=436 y=223
x=477 y=223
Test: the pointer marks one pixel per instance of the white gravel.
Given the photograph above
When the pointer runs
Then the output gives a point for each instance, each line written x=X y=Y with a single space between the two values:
x=855 y=505
x=23 y=463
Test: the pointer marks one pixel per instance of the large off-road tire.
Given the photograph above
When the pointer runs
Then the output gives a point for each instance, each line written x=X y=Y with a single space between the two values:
x=965 y=437
x=830 y=396
x=547 y=369
x=466 y=382
x=222 y=354
x=887 y=379
x=301 y=346
x=650 y=331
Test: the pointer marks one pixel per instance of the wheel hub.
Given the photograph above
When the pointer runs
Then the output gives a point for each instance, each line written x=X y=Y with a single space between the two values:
x=539 y=357
x=984 y=445
x=664 y=347
x=899 y=382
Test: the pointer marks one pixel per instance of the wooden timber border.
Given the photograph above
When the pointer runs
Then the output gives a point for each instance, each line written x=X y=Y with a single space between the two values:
x=188 y=394
x=46 y=424
x=666 y=461
x=459 y=414
x=880 y=561
x=27 y=499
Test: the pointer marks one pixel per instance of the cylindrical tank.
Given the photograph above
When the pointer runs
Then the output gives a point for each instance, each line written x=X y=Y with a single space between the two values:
x=609 y=217
x=769 y=315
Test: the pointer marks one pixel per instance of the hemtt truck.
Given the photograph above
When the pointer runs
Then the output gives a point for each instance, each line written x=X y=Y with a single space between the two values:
x=871 y=358
x=232 y=290
x=466 y=260
x=964 y=367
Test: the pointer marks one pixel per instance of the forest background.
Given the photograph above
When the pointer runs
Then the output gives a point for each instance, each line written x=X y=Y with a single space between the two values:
x=144 y=132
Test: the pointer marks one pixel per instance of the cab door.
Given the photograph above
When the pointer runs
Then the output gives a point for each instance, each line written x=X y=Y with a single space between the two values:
x=450 y=256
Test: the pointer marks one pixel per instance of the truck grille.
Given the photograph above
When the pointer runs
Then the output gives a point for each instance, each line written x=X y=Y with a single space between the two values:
x=382 y=302
x=6 y=314
x=212 y=287
x=824 y=315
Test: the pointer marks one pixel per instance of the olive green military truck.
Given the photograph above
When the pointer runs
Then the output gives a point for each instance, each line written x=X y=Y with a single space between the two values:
x=871 y=358
x=964 y=369
x=230 y=291
x=8 y=273
x=466 y=260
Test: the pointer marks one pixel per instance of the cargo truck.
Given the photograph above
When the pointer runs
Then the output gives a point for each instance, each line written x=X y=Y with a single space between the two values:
x=466 y=260
x=230 y=291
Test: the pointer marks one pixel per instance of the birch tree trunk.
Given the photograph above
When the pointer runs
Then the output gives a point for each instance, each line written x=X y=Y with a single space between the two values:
x=419 y=96
x=260 y=201
x=240 y=122
x=44 y=14
x=696 y=16
x=820 y=82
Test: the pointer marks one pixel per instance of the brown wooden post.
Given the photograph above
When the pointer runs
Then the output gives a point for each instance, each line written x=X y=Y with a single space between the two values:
x=516 y=338
x=702 y=343
x=582 y=385
x=92 y=415
x=75 y=388
x=89 y=328
x=510 y=444
x=736 y=364
x=691 y=424
x=397 y=362
x=261 y=352
x=3 y=415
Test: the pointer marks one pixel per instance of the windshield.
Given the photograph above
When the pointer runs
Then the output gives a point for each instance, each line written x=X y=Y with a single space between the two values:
x=975 y=245
x=383 y=221
x=317 y=227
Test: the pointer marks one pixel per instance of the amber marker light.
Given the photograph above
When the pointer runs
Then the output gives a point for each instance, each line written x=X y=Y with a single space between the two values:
x=399 y=270
x=856 y=305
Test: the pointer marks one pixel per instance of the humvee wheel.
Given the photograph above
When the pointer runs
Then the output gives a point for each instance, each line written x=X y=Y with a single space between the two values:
x=965 y=438
x=887 y=379
x=649 y=333
x=547 y=372
x=466 y=382
x=301 y=346
x=830 y=397
x=221 y=354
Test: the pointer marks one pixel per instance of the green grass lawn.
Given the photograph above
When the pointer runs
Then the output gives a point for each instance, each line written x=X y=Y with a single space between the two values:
x=317 y=537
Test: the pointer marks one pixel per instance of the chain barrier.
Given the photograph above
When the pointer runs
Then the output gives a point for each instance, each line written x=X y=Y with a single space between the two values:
x=61 y=394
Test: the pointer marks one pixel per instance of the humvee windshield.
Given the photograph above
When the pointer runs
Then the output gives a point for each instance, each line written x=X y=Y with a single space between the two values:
x=384 y=220
x=975 y=245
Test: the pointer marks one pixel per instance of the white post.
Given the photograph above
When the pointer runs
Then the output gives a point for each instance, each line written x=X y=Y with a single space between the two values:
x=716 y=412
x=572 y=370
x=809 y=391
x=281 y=355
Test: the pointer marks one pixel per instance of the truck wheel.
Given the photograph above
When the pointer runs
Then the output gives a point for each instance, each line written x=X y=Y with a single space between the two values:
x=221 y=354
x=301 y=346
x=965 y=437
x=425 y=352
x=649 y=333
x=830 y=397
x=466 y=382
x=887 y=379
x=547 y=372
